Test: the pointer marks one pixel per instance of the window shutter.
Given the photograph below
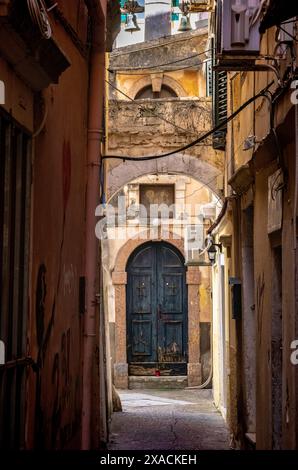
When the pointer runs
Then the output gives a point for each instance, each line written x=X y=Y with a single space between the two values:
x=219 y=108
x=209 y=78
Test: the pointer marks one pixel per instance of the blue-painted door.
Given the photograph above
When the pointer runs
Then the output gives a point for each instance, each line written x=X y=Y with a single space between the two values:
x=156 y=311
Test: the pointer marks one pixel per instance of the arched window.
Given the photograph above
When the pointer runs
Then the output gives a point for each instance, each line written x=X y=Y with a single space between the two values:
x=147 y=93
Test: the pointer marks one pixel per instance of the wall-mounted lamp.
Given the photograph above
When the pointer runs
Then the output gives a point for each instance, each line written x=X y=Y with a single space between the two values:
x=212 y=251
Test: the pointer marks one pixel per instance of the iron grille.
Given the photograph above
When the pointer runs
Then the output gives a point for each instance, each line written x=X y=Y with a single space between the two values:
x=15 y=180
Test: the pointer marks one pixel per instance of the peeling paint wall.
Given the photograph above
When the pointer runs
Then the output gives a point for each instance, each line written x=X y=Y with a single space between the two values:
x=57 y=258
x=275 y=395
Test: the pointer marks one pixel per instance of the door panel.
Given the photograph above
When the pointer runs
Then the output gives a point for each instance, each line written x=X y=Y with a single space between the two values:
x=172 y=324
x=171 y=349
x=172 y=293
x=156 y=311
x=142 y=338
x=141 y=293
x=141 y=299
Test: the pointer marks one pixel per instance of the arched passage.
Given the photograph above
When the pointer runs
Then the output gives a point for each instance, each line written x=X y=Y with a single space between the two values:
x=156 y=310
x=188 y=165
x=120 y=280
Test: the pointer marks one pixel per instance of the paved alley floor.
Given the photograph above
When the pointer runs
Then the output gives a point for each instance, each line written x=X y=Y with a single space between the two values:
x=168 y=420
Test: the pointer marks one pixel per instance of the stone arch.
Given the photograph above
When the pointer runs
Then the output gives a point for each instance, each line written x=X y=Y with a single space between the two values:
x=132 y=244
x=187 y=165
x=119 y=279
x=172 y=83
x=147 y=81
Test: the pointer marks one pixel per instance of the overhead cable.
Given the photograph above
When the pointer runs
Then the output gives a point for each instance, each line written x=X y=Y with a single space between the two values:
x=193 y=56
x=142 y=108
x=262 y=93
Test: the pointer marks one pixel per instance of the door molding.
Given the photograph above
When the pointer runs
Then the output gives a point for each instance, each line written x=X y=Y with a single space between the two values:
x=156 y=297
x=119 y=279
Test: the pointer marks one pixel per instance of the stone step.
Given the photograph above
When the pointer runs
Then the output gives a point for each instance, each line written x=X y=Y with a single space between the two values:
x=169 y=382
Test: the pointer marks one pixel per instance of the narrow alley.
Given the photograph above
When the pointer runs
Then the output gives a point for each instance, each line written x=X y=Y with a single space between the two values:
x=149 y=226
x=168 y=420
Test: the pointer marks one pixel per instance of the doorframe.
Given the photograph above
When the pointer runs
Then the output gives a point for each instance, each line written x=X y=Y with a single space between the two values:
x=156 y=364
x=119 y=280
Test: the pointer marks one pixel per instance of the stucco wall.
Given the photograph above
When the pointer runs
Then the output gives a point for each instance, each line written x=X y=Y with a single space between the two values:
x=252 y=191
x=57 y=246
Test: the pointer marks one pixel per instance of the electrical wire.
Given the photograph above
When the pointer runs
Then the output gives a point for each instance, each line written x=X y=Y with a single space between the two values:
x=257 y=13
x=262 y=93
x=39 y=17
x=289 y=21
x=153 y=46
x=130 y=71
x=165 y=63
x=288 y=34
x=214 y=178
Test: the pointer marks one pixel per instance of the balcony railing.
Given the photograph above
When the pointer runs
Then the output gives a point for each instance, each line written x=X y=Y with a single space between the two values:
x=160 y=117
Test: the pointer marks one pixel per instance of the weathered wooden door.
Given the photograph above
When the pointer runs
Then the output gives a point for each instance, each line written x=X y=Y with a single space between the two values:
x=156 y=311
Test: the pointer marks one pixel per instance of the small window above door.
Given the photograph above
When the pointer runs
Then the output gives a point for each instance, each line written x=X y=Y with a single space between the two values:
x=147 y=93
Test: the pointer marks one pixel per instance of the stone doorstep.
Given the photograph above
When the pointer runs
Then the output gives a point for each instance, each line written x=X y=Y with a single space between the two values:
x=172 y=382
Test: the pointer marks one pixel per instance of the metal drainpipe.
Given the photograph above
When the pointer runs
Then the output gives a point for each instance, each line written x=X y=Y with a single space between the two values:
x=95 y=121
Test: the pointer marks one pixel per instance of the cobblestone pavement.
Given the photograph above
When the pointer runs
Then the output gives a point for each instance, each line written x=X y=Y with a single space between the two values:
x=168 y=420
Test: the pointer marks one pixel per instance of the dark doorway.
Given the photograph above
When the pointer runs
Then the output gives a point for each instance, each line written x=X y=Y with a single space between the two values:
x=156 y=311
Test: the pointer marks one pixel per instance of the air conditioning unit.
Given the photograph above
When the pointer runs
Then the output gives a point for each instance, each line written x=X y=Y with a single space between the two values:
x=237 y=33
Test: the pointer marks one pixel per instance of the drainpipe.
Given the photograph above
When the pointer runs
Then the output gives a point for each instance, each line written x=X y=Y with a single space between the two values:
x=97 y=13
x=220 y=216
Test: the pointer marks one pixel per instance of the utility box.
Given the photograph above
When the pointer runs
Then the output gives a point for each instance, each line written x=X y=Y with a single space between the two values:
x=237 y=28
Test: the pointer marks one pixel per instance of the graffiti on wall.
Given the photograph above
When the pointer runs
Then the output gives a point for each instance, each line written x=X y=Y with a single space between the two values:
x=57 y=417
x=64 y=422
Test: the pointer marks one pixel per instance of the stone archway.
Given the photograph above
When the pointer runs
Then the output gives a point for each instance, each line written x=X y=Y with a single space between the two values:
x=119 y=279
x=187 y=165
